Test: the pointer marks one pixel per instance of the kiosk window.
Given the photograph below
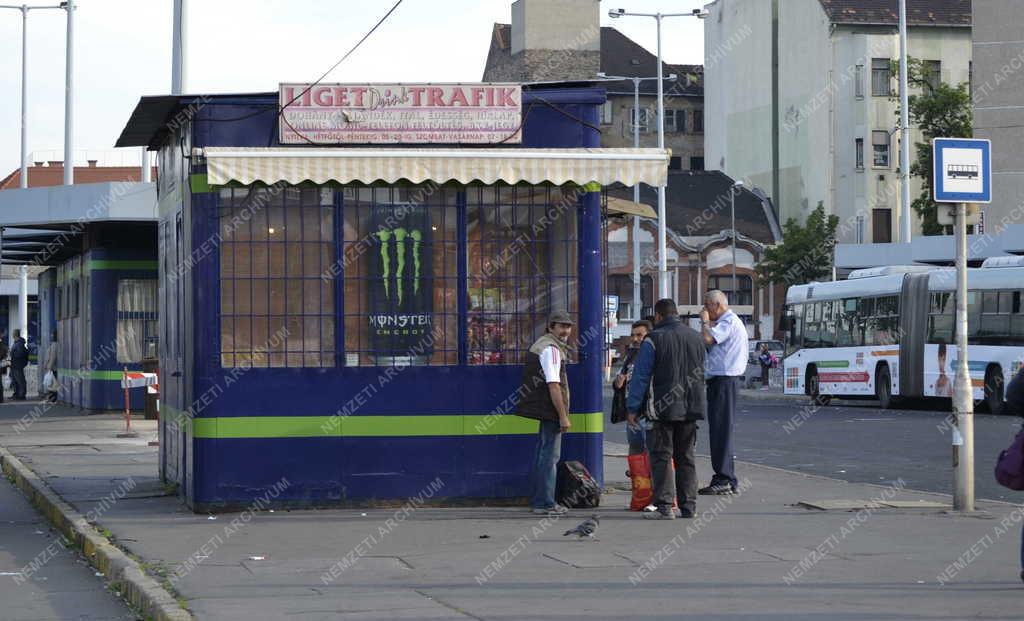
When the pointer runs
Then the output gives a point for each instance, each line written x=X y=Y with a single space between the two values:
x=400 y=269
x=136 y=319
x=521 y=266
x=276 y=282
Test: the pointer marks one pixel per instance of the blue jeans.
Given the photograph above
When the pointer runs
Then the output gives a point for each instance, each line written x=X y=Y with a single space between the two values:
x=549 y=449
x=637 y=438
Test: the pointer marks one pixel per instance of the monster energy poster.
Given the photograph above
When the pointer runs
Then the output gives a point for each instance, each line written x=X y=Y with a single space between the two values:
x=400 y=284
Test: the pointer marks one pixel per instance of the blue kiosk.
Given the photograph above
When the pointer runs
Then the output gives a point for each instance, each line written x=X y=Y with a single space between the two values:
x=344 y=321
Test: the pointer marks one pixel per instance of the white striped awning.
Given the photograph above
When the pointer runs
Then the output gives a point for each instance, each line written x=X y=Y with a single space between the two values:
x=320 y=165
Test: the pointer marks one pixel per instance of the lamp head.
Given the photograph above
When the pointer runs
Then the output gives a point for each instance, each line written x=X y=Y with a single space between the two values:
x=700 y=14
x=616 y=13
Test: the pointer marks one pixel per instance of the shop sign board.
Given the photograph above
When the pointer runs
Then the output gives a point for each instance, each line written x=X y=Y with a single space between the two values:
x=331 y=114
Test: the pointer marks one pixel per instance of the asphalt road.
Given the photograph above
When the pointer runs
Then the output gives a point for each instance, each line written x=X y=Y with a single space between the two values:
x=40 y=579
x=855 y=441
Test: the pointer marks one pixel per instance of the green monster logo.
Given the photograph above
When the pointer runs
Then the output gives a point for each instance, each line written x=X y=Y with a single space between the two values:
x=400 y=236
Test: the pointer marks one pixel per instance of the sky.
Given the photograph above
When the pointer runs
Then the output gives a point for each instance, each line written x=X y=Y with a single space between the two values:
x=123 y=52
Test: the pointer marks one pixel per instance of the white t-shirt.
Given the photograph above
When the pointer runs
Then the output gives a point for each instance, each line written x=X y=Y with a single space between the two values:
x=551 y=363
x=728 y=356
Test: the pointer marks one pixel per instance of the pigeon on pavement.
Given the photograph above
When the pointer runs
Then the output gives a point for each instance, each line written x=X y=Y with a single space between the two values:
x=586 y=528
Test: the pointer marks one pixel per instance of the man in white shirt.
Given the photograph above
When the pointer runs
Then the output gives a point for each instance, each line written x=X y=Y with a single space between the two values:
x=544 y=396
x=724 y=365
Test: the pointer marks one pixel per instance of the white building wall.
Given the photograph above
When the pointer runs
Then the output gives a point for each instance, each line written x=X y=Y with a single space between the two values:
x=820 y=114
x=738 y=90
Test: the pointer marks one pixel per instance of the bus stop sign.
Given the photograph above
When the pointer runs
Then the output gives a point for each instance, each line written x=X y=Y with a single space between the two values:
x=963 y=170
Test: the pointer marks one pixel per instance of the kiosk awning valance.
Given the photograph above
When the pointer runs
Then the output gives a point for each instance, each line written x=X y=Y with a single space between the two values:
x=320 y=165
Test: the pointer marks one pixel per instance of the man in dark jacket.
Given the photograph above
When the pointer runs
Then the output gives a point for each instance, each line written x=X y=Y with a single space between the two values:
x=4 y=362
x=671 y=360
x=544 y=396
x=19 y=360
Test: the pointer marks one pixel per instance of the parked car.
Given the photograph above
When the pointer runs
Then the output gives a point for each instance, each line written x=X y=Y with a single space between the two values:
x=753 y=373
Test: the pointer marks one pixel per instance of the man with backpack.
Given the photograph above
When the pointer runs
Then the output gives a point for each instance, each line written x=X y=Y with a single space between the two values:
x=671 y=361
x=544 y=396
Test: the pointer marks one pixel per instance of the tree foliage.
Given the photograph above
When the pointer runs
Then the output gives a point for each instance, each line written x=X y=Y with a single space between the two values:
x=939 y=111
x=806 y=252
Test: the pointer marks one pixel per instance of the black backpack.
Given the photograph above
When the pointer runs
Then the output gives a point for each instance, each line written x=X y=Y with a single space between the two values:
x=575 y=488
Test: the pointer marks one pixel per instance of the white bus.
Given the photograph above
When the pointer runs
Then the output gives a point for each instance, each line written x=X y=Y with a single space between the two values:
x=888 y=333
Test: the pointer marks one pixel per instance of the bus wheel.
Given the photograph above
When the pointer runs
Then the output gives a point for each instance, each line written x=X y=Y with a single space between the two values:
x=994 y=390
x=883 y=387
x=814 y=389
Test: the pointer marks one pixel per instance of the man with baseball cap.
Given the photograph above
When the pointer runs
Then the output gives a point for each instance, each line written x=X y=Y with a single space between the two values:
x=544 y=396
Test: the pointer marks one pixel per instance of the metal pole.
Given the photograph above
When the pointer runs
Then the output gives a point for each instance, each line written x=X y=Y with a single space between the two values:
x=663 y=284
x=146 y=170
x=23 y=300
x=732 y=210
x=24 y=97
x=637 y=304
x=69 y=100
x=963 y=392
x=178 y=48
x=904 y=131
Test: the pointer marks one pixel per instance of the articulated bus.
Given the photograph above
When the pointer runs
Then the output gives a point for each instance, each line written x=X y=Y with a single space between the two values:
x=888 y=333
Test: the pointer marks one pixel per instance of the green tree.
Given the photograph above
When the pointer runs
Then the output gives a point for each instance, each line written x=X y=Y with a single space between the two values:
x=939 y=111
x=806 y=252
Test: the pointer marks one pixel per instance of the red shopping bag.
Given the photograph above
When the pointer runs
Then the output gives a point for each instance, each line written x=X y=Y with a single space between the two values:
x=640 y=475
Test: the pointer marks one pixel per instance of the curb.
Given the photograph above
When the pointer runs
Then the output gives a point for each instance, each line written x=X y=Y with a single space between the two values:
x=141 y=591
x=767 y=395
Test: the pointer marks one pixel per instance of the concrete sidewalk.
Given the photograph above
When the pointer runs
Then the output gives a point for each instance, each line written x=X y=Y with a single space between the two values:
x=757 y=555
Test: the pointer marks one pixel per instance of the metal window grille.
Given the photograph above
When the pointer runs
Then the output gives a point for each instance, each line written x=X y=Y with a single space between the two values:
x=276 y=284
x=521 y=266
x=400 y=266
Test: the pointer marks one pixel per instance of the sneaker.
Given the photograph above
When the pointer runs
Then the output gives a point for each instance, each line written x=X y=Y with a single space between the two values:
x=686 y=514
x=660 y=514
x=649 y=509
x=717 y=489
x=555 y=510
x=1022 y=575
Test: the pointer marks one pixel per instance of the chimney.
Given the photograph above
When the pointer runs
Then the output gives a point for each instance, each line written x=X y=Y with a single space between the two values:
x=92 y=163
x=557 y=39
x=55 y=163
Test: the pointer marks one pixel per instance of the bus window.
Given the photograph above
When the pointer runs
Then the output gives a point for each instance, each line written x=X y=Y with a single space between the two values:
x=812 y=324
x=849 y=334
x=827 y=336
x=796 y=338
x=1017 y=321
x=974 y=299
x=995 y=317
x=940 y=318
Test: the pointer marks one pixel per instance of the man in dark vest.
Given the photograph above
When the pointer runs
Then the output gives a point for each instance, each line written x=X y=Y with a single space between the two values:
x=671 y=361
x=544 y=396
x=19 y=360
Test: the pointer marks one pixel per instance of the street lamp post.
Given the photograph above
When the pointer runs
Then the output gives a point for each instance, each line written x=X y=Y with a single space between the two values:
x=635 y=123
x=663 y=275
x=736 y=187
x=23 y=177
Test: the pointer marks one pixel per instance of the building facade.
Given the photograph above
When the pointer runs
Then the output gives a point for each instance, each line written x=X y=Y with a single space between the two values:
x=998 y=93
x=554 y=40
x=699 y=208
x=816 y=118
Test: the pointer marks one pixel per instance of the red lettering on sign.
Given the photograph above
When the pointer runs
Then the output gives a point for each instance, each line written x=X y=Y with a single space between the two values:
x=340 y=96
x=434 y=95
x=458 y=96
x=417 y=92
x=476 y=94
x=358 y=92
x=319 y=96
x=506 y=97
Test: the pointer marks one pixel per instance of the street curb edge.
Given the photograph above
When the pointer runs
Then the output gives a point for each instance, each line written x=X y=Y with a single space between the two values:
x=118 y=568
